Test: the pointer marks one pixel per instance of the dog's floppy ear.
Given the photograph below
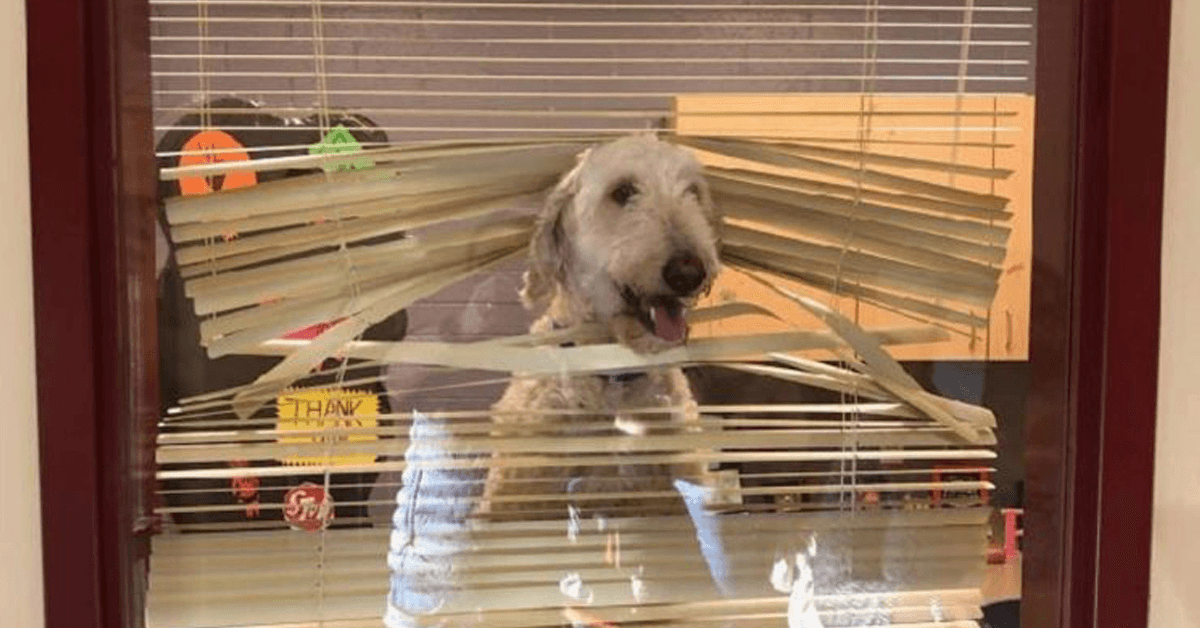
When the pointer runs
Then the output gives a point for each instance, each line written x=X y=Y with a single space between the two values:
x=547 y=249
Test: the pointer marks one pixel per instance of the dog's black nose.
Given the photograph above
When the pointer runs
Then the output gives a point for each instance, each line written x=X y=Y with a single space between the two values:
x=684 y=273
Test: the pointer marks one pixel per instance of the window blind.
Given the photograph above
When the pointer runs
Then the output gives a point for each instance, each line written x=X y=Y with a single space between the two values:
x=436 y=70
x=863 y=497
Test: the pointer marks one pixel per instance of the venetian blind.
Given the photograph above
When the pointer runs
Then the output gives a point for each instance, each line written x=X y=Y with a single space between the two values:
x=855 y=149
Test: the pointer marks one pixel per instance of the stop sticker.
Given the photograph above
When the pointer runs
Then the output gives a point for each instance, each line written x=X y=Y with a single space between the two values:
x=308 y=507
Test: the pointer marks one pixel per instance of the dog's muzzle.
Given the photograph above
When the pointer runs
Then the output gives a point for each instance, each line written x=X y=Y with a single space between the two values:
x=684 y=274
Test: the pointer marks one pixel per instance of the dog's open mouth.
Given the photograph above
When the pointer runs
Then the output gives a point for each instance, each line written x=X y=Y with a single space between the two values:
x=664 y=316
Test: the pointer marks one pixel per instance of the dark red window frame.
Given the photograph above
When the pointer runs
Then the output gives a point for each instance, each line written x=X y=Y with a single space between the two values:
x=1102 y=76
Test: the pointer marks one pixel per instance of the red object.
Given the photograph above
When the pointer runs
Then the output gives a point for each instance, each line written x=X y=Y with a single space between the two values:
x=1012 y=532
x=312 y=331
x=984 y=475
x=1008 y=550
x=245 y=489
x=308 y=507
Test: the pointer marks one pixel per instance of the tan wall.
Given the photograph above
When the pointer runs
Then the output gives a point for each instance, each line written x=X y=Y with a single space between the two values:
x=20 y=520
x=1175 y=568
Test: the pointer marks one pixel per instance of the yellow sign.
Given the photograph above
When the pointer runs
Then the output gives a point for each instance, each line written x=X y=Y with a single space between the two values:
x=331 y=417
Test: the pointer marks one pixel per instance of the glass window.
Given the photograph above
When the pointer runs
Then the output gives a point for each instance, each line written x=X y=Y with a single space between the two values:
x=582 y=313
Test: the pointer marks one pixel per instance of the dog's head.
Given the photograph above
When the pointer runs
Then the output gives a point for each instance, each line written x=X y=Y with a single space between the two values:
x=628 y=239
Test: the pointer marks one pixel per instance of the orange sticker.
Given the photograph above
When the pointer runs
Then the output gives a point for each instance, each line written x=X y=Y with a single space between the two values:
x=208 y=147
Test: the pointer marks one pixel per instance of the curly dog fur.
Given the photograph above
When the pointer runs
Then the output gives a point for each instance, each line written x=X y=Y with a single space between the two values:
x=627 y=241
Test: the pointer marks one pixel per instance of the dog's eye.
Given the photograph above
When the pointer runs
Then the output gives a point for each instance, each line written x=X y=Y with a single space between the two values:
x=624 y=191
x=694 y=190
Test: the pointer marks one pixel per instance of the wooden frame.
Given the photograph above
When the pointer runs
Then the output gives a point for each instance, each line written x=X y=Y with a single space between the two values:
x=1102 y=76
x=93 y=190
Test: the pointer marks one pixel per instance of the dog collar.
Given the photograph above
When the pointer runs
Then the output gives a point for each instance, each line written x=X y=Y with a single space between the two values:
x=611 y=378
x=623 y=378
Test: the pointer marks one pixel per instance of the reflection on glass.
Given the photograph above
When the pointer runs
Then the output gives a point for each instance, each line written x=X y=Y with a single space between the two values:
x=435 y=353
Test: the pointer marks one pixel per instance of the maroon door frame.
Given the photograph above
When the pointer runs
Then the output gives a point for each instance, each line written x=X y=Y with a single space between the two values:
x=1102 y=101
x=92 y=183
x=1102 y=86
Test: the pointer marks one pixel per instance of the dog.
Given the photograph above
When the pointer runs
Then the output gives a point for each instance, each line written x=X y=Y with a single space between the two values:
x=627 y=241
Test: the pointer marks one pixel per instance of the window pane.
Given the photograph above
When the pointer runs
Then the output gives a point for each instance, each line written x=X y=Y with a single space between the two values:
x=526 y=314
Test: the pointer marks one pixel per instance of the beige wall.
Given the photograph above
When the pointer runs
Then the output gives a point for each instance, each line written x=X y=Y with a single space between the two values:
x=1175 y=570
x=20 y=519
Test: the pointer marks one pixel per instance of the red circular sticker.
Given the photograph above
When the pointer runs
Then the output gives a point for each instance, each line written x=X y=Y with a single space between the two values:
x=208 y=147
x=308 y=507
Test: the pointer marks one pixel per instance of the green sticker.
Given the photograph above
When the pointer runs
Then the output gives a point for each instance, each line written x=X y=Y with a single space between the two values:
x=340 y=140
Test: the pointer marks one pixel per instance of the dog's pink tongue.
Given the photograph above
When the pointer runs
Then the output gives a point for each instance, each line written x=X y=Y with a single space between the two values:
x=669 y=324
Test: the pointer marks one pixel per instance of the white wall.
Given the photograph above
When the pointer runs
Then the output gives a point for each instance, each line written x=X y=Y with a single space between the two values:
x=1175 y=568
x=20 y=517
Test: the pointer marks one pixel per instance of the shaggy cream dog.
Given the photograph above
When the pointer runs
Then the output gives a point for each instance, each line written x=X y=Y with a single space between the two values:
x=626 y=241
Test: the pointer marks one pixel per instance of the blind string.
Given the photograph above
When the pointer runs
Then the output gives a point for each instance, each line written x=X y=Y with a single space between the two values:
x=863 y=132
x=206 y=122
x=987 y=350
x=324 y=118
x=202 y=67
x=318 y=41
x=865 y=136
x=322 y=131
x=964 y=54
